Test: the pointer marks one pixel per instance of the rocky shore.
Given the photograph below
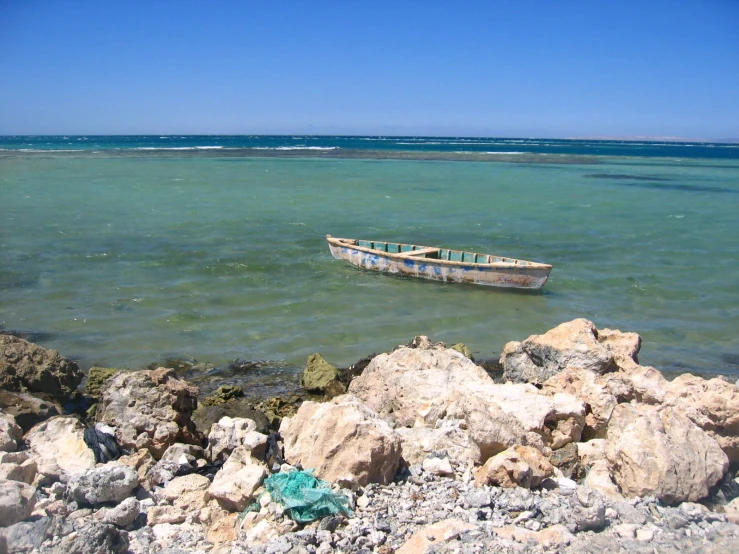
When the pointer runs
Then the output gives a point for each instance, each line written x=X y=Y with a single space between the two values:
x=567 y=445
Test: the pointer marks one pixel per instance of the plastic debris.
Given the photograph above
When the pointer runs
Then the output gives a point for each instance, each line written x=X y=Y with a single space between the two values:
x=101 y=440
x=305 y=497
x=273 y=457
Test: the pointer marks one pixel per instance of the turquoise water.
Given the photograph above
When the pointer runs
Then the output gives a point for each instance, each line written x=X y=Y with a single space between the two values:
x=126 y=258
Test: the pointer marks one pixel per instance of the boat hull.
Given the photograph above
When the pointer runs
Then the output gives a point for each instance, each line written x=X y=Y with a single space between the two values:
x=437 y=270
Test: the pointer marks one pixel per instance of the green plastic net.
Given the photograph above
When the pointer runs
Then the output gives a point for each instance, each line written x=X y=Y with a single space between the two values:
x=305 y=497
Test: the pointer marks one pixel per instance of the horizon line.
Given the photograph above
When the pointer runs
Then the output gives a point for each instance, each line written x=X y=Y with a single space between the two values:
x=622 y=138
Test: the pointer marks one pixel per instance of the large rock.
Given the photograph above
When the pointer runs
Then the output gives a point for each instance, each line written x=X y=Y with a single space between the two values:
x=431 y=386
x=11 y=435
x=59 y=447
x=111 y=482
x=26 y=367
x=149 y=409
x=539 y=357
x=26 y=409
x=414 y=384
x=519 y=466
x=713 y=405
x=660 y=452
x=342 y=440
x=16 y=501
x=234 y=485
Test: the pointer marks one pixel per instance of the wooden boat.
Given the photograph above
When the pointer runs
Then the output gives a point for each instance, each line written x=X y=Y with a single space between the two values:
x=440 y=264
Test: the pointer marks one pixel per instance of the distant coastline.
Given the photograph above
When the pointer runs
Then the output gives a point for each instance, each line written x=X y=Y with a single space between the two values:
x=389 y=136
x=650 y=138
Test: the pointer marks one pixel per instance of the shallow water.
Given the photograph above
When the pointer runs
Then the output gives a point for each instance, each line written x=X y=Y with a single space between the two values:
x=126 y=260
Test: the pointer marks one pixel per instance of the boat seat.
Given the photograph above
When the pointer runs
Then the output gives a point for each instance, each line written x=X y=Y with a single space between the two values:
x=419 y=252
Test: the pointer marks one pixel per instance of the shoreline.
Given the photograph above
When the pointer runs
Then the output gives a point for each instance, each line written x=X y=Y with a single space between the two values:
x=424 y=450
x=264 y=373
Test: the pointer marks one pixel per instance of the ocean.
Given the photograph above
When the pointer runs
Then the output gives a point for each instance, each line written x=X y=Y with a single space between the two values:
x=127 y=251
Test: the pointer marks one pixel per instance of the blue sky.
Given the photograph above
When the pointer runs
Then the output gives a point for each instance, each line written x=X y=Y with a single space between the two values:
x=518 y=68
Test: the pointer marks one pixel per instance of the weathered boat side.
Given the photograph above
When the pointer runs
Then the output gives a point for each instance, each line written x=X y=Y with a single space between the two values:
x=411 y=261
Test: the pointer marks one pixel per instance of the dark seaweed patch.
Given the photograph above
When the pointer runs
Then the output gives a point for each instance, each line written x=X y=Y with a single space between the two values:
x=30 y=336
x=674 y=186
x=18 y=284
x=238 y=365
x=731 y=359
x=685 y=188
x=622 y=176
